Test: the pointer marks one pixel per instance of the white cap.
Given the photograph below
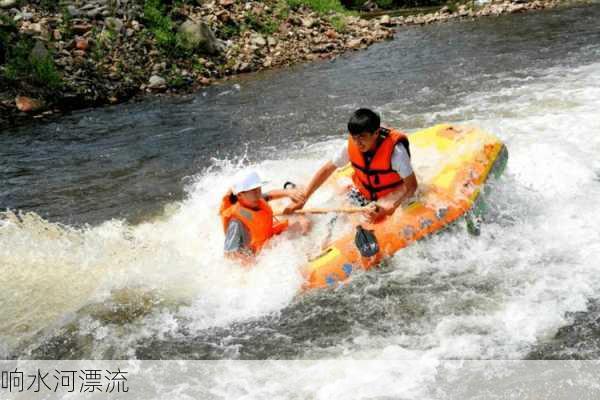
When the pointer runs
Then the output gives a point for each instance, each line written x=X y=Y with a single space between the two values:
x=246 y=181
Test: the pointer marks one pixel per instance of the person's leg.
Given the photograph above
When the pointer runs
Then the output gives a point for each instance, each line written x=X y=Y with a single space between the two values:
x=300 y=224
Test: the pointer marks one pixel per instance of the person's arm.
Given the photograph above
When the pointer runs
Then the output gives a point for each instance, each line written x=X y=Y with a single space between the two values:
x=393 y=200
x=386 y=206
x=276 y=194
x=301 y=196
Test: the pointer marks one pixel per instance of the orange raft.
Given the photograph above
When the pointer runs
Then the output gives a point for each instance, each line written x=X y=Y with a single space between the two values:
x=456 y=162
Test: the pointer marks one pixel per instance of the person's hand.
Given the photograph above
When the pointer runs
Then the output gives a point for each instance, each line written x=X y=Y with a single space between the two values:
x=375 y=212
x=293 y=207
x=297 y=195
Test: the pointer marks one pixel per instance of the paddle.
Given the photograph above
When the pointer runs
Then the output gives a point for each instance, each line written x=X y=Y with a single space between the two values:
x=346 y=210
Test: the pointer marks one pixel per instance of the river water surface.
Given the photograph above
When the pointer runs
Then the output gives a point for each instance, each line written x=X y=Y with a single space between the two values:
x=111 y=246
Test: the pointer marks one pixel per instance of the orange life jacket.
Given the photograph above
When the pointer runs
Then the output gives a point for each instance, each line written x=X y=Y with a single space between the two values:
x=259 y=223
x=376 y=179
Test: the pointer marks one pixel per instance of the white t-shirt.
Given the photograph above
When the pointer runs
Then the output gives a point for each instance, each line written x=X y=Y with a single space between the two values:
x=400 y=160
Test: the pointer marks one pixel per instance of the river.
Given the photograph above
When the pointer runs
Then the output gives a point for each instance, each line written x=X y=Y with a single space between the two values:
x=111 y=246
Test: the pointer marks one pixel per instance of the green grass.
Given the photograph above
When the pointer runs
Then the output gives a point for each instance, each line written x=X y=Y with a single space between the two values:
x=162 y=27
x=266 y=26
x=384 y=3
x=22 y=66
x=338 y=22
x=320 y=6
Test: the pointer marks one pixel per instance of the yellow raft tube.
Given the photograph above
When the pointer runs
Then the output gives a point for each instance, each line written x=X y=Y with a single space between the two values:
x=456 y=161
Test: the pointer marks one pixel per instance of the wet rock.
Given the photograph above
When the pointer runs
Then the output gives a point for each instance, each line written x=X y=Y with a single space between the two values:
x=94 y=12
x=355 y=43
x=73 y=11
x=81 y=28
x=258 y=40
x=199 y=36
x=370 y=5
x=39 y=51
x=308 y=22
x=325 y=48
x=34 y=29
x=156 y=83
x=7 y=3
x=331 y=34
x=23 y=16
x=27 y=104
x=114 y=24
x=385 y=20
x=81 y=43
x=223 y=16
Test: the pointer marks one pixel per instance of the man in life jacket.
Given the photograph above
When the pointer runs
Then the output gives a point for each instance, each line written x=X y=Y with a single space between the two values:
x=248 y=220
x=383 y=176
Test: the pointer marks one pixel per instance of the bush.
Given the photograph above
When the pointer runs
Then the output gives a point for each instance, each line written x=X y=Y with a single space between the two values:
x=338 y=22
x=384 y=3
x=320 y=6
x=264 y=26
x=162 y=27
x=22 y=66
x=357 y=4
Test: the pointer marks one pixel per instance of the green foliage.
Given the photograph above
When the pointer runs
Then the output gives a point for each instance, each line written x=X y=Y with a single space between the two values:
x=229 y=30
x=387 y=4
x=22 y=66
x=282 y=10
x=384 y=3
x=7 y=29
x=162 y=27
x=51 y=5
x=338 y=22
x=199 y=67
x=452 y=6
x=267 y=26
x=65 y=25
x=320 y=6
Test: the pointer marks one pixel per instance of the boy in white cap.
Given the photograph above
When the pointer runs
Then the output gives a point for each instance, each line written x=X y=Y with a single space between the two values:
x=247 y=218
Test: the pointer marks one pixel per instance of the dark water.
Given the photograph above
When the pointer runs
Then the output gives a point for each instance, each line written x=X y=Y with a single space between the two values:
x=126 y=161
x=451 y=296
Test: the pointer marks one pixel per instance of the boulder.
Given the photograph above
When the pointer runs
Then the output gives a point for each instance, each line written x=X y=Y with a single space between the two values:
x=81 y=28
x=7 y=3
x=81 y=43
x=114 y=24
x=39 y=51
x=258 y=40
x=386 y=20
x=308 y=22
x=198 y=36
x=27 y=104
x=156 y=82
x=355 y=43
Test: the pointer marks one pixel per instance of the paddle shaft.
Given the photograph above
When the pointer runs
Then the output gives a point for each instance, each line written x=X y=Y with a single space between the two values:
x=346 y=210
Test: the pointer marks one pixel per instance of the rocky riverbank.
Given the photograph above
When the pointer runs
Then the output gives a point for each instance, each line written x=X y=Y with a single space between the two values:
x=79 y=54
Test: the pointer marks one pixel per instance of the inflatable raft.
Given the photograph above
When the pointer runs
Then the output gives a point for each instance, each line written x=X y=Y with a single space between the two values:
x=456 y=162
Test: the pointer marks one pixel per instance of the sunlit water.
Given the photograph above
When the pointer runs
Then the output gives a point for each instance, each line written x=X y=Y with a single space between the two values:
x=154 y=283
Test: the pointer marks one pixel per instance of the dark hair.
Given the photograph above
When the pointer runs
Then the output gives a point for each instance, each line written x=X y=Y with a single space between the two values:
x=363 y=120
